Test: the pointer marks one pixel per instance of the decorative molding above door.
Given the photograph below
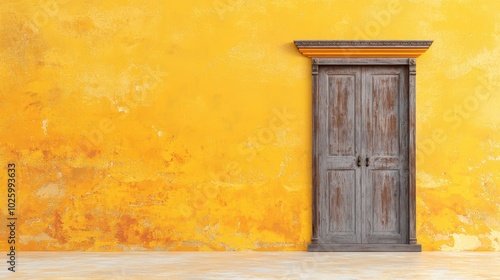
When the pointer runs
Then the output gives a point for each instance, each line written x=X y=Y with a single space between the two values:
x=363 y=49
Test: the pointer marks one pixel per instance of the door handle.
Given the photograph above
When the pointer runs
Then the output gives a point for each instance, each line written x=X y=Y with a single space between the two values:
x=359 y=161
x=367 y=161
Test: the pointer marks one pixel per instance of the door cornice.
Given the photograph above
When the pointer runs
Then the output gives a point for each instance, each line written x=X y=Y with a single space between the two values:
x=362 y=49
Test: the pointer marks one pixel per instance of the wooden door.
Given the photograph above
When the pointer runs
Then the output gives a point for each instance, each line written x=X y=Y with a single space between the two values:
x=363 y=154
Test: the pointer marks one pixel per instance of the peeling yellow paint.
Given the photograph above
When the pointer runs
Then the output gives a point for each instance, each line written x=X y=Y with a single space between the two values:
x=463 y=242
x=167 y=125
x=51 y=191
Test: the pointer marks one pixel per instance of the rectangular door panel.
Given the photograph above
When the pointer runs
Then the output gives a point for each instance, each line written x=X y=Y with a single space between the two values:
x=385 y=201
x=384 y=115
x=342 y=111
x=342 y=206
x=339 y=176
x=383 y=207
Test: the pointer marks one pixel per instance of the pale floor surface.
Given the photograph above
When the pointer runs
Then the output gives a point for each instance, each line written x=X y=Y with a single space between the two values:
x=254 y=265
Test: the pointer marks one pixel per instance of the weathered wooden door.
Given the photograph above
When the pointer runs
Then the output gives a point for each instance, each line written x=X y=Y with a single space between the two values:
x=363 y=154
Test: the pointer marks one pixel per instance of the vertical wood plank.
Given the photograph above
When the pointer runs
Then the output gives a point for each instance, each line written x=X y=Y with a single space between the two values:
x=412 y=162
x=315 y=157
x=322 y=151
x=365 y=128
x=404 y=159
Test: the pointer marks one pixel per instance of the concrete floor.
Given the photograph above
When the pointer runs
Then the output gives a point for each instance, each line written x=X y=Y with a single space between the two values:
x=254 y=265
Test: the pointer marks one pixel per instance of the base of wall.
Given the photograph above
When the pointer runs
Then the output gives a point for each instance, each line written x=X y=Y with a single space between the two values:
x=325 y=247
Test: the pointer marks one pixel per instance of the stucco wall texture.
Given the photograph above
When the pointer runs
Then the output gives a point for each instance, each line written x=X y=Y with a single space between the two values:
x=186 y=125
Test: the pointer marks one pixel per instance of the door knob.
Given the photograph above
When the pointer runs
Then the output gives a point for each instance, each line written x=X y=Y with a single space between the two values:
x=359 y=161
x=367 y=161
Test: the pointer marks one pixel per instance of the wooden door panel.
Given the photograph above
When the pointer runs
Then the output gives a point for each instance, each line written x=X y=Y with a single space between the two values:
x=340 y=177
x=384 y=199
x=384 y=182
x=384 y=115
x=342 y=194
x=341 y=114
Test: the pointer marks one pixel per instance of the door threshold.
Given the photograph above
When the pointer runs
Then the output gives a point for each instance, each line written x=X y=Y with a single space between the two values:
x=328 y=247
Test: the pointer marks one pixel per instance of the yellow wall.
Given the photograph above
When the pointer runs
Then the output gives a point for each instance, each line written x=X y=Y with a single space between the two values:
x=186 y=125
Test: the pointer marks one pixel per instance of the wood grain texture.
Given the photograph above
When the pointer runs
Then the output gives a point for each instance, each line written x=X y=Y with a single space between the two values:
x=342 y=112
x=342 y=203
x=385 y=114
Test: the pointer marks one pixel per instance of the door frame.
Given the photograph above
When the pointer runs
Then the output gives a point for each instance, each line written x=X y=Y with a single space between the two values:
x=364 y=53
